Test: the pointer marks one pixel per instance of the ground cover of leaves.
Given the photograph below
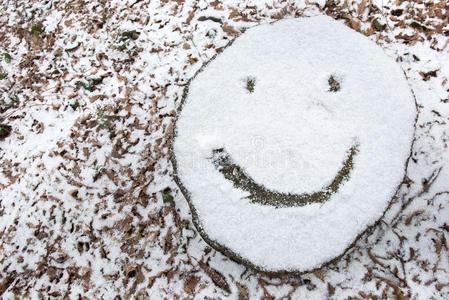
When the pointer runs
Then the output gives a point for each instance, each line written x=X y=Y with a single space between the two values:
x=88 y=206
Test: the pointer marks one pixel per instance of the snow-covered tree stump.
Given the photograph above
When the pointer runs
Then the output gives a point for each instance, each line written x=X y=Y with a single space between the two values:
x=292 y=142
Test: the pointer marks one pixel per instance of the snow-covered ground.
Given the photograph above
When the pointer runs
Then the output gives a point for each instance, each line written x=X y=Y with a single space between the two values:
x=88 y=206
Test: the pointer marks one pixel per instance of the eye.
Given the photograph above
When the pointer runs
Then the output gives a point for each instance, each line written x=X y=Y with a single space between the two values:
x=334 y=83
x=250 y=83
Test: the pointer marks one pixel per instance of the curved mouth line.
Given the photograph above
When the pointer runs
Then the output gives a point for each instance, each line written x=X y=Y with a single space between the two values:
x=261 y=195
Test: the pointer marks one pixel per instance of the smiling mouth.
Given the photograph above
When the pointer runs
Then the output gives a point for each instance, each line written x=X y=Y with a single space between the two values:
x=261 y=195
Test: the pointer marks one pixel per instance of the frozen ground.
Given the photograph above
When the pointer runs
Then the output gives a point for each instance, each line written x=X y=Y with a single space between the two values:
x=88 y=207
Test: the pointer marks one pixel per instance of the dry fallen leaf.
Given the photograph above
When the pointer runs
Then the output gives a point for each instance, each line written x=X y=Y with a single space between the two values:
x=190 y=284
x=230 y=30
x=234 y=13
x=217 y=278
x=355 y=24
x=243 y=291
x=426 y=75
x=361 y=7
x=190 y=17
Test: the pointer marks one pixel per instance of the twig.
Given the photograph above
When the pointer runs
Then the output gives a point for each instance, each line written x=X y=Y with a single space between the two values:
x=427 y=184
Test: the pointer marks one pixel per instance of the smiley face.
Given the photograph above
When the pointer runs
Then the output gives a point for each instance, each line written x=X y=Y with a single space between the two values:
x=292 y=142
x=263 y=195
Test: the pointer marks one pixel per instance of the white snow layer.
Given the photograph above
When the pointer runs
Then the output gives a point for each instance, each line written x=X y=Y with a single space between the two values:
x=292 y=135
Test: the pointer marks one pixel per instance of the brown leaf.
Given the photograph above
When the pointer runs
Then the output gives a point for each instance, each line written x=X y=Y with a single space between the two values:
x=217 y=278
x=190 y=17
x=234 y=13
x=217 y=5
x=96 y=97
x=134 y=271
x=6 y=282
x=210 y=18
x=396 y=289
x=376 y=259
x=412 y=254
x=361 y=7
x=168 y=243
x=330 y=289
x=419 y=26
x=408 y=38
x=354 y=24
x=243 y=291
x=266 y=295
x=230 y=30
x=86 y=277
x=409 y=219
x=192 y=60
x=319 y=274
x=426 y=75
x=369 y=31
x=52 y=273
x=190 y=284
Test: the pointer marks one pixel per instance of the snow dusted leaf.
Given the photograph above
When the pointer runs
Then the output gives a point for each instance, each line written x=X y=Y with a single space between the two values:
x=330 y=289
x=408 y=38
x=230 y=30
x=37 y=29
x=190 y=16
x=378 y=25
x=190 y=284
x=217 y=278
x=427 y=75
x=234 y=13
x=354 y=24
x=243 y=291
x=6 y=282
x=217 y=4
x=361 y=6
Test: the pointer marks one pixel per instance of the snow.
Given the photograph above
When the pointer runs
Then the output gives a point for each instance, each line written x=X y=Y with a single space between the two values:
x=405 y=256
x=291 y=135
x=380 y=3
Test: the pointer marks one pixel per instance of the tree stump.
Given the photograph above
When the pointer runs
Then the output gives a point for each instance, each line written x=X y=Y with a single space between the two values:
x=292 y=142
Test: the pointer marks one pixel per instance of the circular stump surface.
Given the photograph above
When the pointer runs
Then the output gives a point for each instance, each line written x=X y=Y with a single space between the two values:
x=292 y=142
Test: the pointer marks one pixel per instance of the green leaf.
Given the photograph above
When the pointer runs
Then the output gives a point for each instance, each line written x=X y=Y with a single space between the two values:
x=14 y=99
x=166 y=196
x=378 y=25
x=37 y=30
x=86 y=85
x=250 y=83
x=90 y=84
x=7 y=58
x=74 y=104
x=2 y=76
